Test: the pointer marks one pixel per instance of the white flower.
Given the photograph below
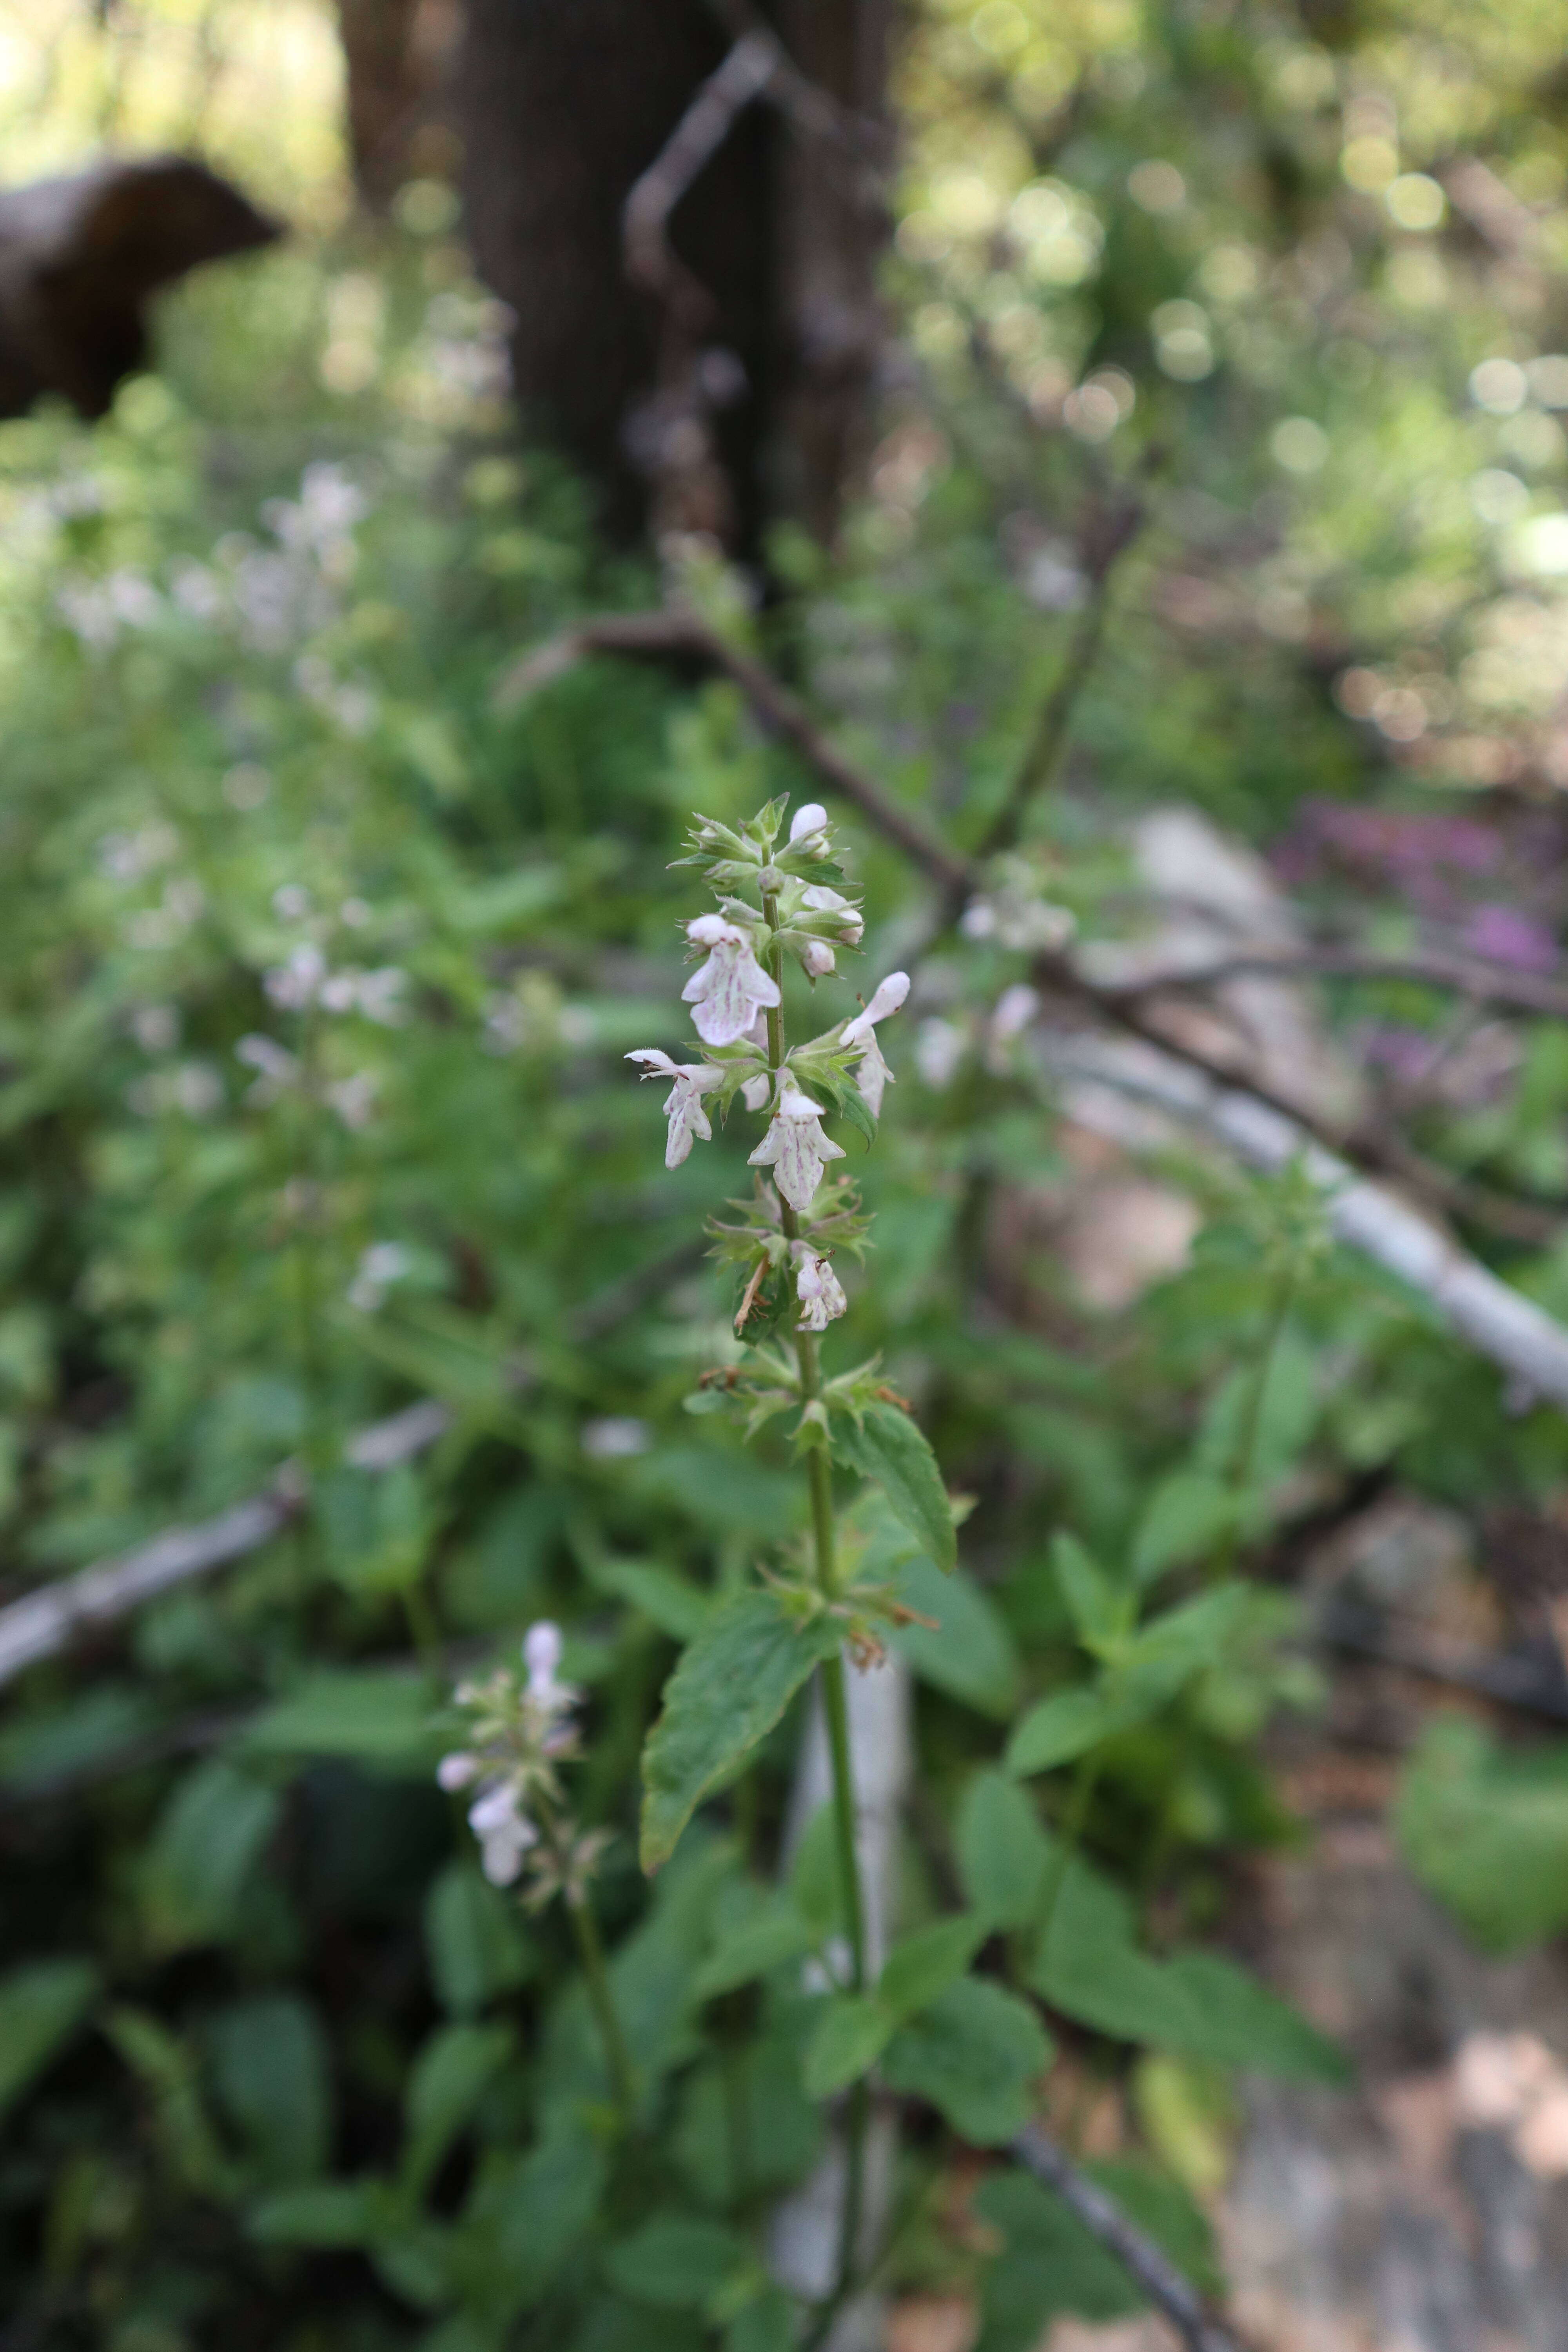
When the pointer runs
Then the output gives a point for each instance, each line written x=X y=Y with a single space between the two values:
x=849 y=922
x=726 y=990
x=295 y=985
x=939 y=1049
x=817 y=958
x=683 y=1103
x=504 y=1832
x=1015 y=1008
x=794 y=1147
x=541 y=1649
x=455 y=1771
x=818 y=1289
x=874 y=1075
x=808 y=830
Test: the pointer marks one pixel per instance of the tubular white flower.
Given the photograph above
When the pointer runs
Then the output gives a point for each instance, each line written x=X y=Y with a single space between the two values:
x=848 y=922
x=683 y=1104
x=794 y=1147
x=725 y=991
x=808 y=830
x=503 y=1829
x=817 y=958
x=754 y=1092
x=818 y=1288
x=455 y=1771
x=873 y=1076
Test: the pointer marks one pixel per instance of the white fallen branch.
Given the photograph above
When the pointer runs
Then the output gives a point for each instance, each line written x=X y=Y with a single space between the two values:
x=50 y=1619
x=1099 y=1075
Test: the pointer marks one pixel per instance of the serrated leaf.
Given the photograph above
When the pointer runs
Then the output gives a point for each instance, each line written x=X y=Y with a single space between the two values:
x=922 y=1964
x=976 y=2054
x=1486 y=1830
x=1238 y=2021
x=774 y=1935
x=729 y=1690
x=848 y=2038
x=969 y=1652
x=889 y=1448
x=1004 y=1853
x=41 y=2007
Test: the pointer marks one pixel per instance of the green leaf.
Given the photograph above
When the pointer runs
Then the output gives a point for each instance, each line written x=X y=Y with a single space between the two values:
x=970 y=1654
x=1003 y=1854
x=758 y=1945
x=41 y=2007
x=548 y=2206
x=375 y=1718
x=889 y=1448
x=766 y=2324
x=1051 y=2264
x=675 y=2263
x=976 y=2054
x=474 y=1939
x=1183 y=1519
x=1238 y=2021
x=449 y=2074
x=209 y=1836
x=1486 y=1830
x=1173 y=1647
x=269 y=2069
x=1197 y=2004
x=850 y=2036
x=1066 y=1725
x=674 y=1604
x=1095 y=1606
x=730 y=1688
x=333 y=2213
x=922 y=1964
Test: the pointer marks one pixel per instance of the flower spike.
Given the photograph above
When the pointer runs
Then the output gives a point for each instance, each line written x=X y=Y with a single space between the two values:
x=794 y=1147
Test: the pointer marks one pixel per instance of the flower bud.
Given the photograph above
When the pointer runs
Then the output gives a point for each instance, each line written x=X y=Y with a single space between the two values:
x=817 y=958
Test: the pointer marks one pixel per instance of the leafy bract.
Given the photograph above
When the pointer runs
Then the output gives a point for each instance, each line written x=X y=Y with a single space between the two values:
x=1004 y=1853
x=969 y=1651
x=730 y=1688
x=41 y=2006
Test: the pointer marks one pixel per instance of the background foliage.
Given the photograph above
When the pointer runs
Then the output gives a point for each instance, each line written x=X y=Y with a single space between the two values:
x=276 y=2060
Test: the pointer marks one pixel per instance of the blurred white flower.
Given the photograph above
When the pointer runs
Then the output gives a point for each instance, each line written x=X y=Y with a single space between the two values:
x=353 y=1097
x=296 y=985
x=939 y=1049
x=504 y=1832
x=382 y=1264
x=616 y=1437
x=279 y=1068
x=817 y=959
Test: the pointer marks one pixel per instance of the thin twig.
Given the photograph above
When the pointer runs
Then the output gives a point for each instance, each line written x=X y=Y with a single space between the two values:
x=1102 y=551
x=1472 y=976
x=1144 y=2261
x=683 y=638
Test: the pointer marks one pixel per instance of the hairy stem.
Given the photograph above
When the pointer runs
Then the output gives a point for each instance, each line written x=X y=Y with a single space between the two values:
x=835 y=1705
x=585 y=1928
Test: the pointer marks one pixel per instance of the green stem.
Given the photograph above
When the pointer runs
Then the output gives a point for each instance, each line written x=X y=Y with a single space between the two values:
x=835 y=1705
x=585 y=1928
x=1245 y=1473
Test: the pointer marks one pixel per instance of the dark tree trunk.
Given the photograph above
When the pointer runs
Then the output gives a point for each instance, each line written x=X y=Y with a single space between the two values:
x=393 y=55
x=562 y=105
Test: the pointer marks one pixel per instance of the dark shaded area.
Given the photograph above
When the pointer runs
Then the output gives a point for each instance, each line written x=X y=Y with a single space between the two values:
x=81 y=257
x=563 y=104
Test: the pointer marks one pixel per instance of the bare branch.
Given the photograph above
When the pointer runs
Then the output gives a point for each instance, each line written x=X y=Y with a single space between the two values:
x=1497 y=1320
x=681 y=637
x=650 y=260
x=1471 y=976
x=1144 y=2261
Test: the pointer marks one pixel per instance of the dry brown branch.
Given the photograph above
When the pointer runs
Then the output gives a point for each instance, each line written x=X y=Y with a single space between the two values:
x=1148 y=2263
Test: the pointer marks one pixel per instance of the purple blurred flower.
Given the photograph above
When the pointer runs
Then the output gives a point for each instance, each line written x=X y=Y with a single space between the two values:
x=1505 y=935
